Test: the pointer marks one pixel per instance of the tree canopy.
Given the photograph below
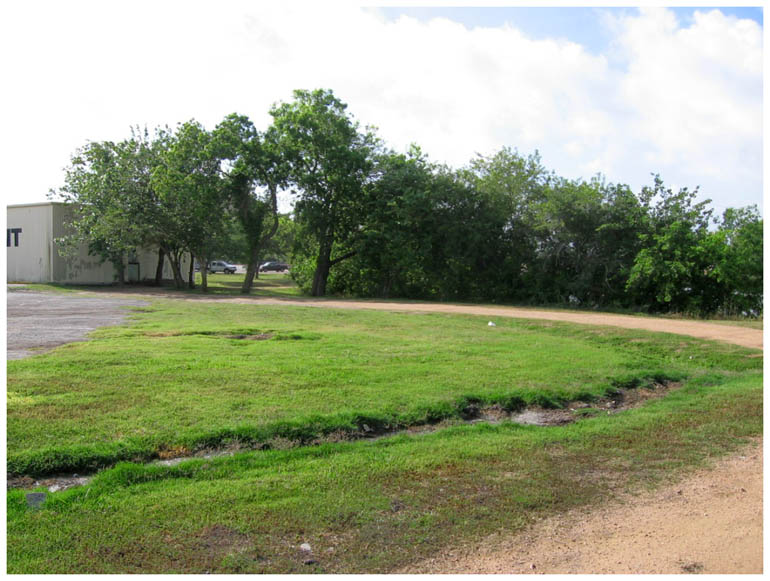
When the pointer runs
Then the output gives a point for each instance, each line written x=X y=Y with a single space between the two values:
x=371 y=222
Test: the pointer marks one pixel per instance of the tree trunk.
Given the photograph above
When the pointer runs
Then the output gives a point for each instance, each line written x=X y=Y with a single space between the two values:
x=173 y=259
x=191 y=274
x=204 y=262
x=120 y=270
x=159 y=268
x=323 y=265
x=251 y=269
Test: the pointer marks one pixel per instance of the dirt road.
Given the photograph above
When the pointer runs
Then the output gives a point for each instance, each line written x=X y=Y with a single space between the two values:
x=744 y=336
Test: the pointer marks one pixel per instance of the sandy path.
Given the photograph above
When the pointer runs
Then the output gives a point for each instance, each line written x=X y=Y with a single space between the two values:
x=743 y=336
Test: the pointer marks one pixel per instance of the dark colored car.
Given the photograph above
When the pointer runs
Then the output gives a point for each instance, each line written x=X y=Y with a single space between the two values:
x=275 y=266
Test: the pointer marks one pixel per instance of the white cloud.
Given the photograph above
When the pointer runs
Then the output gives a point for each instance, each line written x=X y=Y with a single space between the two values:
x=684 y=102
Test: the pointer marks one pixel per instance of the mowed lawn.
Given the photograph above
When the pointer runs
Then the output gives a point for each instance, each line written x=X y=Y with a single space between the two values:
x=189 y=375
x=185 y=375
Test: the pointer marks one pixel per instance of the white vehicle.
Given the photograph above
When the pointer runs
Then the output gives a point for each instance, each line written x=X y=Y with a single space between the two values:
x=221 y=266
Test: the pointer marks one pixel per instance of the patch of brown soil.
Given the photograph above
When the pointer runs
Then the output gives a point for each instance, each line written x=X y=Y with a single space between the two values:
x=260 y=337
x=710 y=522
x=217 y=541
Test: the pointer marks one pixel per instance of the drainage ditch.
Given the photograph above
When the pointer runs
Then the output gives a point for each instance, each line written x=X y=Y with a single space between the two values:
x=622 y=399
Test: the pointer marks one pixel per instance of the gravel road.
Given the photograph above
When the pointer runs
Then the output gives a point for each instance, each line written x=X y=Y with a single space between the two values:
x=40 y=321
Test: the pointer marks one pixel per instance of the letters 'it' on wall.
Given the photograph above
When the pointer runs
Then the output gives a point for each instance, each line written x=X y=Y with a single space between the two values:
x=13 y=233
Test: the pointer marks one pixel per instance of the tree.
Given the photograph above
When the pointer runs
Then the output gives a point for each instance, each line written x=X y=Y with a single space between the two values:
x=191 y=190
x=329 y=161
x=115 y=206
x=587 y=236
x=281 y=244
x=254 y=161
x=514 y=186
x=741 y=266
x=672 y=270
x=392 y=243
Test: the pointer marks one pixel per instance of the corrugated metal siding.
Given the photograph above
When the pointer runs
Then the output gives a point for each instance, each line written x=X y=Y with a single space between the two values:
x=37 y=258
x=30 y=261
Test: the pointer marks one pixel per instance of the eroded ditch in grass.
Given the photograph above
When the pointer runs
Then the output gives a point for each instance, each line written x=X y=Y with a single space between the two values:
x=623 y=399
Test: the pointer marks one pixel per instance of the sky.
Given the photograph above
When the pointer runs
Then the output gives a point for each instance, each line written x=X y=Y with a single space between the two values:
x=622 y=91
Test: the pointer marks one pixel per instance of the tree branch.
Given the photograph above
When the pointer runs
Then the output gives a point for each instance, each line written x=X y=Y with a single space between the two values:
x=343 y=257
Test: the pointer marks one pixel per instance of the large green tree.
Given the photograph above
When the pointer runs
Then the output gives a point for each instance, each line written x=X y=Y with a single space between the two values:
x=329 y=161
x=673 y=269
x=115 y=207
x=191 y=189
x=740 y=268
x=256 y=170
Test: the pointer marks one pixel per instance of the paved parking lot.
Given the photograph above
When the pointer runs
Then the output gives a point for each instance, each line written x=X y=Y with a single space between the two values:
x=38 y=321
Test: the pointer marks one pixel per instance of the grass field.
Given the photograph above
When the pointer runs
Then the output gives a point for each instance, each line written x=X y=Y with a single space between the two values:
x=187 y=375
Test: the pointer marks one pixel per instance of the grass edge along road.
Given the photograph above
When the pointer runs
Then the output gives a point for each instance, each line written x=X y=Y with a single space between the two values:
x=372 y=506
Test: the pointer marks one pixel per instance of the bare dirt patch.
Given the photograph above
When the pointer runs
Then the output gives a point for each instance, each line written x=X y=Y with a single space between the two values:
x=259 y=337
x=217 y=541
x=710 y=522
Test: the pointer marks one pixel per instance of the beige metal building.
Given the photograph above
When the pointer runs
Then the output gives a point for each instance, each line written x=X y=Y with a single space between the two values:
x=33 y=255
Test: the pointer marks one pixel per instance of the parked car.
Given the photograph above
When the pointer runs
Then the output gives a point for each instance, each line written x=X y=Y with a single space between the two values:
x=276 y=266
x=221 y=266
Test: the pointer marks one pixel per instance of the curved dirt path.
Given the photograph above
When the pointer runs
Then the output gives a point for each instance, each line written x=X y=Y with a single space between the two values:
x=743 y=336
x=710 y=522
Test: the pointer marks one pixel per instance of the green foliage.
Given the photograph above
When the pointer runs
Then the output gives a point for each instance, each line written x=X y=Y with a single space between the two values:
x=740 y=269
x=329 y=161
x=256 y=170
x=115 y=209
x=684 y=267
x=190 y=186
x=375 y=223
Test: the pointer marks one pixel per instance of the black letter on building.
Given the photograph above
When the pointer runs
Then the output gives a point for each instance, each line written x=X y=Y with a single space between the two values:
x=15 y=232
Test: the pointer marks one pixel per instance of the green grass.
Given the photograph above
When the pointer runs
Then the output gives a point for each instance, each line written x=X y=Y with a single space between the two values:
x=371 y=506
x=267 y=284
x=174 y=379
x=47 y=287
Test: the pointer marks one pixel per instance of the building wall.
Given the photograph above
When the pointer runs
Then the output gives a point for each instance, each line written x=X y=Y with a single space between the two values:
x=82 y=268
x=28 y=246
x=33 y=255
